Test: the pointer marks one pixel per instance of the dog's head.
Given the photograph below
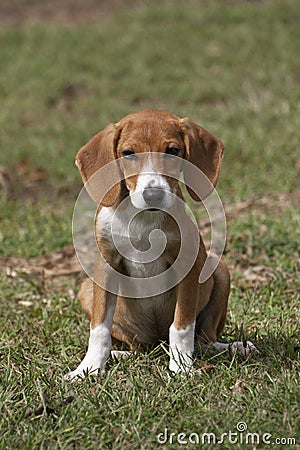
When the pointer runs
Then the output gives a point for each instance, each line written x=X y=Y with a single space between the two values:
x=150 y=147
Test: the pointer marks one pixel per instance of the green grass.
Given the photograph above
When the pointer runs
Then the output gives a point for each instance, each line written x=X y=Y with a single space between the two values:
x=233 y=67
x=45 y=229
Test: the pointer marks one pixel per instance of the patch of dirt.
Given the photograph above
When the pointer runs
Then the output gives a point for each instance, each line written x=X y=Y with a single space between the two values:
x=69 y=94
x=260 y=204
x=29 y=184
x=66 y=13
x=39 y=190
x=49 y=267
x=5 y=182
x=248 y=271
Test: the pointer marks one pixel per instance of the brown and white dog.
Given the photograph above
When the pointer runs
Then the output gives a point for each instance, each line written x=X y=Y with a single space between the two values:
x=185 y=312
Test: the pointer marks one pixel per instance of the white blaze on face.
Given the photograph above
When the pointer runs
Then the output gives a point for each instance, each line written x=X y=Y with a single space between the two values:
x=149 y=178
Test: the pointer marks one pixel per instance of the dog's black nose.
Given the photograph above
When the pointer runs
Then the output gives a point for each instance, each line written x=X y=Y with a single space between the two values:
x=153 y=196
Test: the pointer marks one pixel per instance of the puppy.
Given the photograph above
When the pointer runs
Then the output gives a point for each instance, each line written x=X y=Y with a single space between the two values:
x=145 y=154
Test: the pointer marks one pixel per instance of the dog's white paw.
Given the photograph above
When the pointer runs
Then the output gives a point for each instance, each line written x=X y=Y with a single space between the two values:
x=81 y=372
x=119 y=354
x=181 y=348
x=97 y=354
x=88 y=366
x=180 y=363
x=237 y=347
x=245 y=350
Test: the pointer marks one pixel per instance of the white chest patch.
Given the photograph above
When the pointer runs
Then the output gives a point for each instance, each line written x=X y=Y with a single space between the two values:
x=139 y=240
x=137 y=237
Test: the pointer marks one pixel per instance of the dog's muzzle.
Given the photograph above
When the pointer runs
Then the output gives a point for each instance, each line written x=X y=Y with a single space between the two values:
x=153 y=196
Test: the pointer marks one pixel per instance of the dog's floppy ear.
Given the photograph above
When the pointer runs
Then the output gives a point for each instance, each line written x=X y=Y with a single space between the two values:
x=97 y=153
x=204 y=151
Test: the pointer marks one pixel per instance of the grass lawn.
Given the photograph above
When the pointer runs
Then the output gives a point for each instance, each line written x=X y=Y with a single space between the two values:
x=231 y=66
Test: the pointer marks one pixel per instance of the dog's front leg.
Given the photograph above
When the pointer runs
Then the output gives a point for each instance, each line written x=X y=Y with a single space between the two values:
x=182 y=330
x=99 y=347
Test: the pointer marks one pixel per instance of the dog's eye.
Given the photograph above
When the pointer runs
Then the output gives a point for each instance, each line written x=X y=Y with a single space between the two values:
x=173 y=151
x=128 y=154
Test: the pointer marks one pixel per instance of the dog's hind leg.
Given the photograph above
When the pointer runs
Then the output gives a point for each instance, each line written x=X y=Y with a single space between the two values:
x=211 y=320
